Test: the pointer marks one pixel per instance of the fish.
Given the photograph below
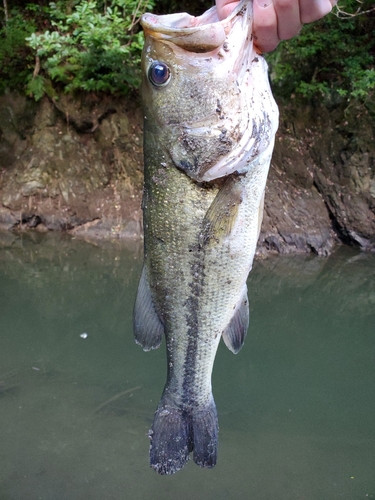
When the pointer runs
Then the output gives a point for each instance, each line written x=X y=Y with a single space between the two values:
x=209 y=127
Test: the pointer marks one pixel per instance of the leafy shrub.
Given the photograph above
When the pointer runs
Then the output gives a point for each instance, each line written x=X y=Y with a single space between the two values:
x=14 y=54
x=95 y=45
x=333 y=59
x=89 y=49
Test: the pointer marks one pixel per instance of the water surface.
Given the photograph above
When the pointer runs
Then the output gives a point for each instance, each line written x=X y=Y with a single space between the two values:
x=296 y=406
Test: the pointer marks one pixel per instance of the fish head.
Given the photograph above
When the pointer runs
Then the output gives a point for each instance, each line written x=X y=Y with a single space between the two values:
x=205 y=91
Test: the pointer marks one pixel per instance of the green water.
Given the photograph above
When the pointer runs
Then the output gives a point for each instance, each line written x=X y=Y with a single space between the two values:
x=296 y=406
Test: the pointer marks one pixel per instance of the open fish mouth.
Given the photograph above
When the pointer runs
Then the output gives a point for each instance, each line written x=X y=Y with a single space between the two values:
x=194 y=34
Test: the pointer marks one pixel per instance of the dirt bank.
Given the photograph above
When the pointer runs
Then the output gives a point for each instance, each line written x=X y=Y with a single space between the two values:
x=76 y=165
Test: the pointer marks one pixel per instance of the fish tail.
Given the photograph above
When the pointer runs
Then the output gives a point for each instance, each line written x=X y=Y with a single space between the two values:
x=170 y=440
x=176 y=432
x=205 y=434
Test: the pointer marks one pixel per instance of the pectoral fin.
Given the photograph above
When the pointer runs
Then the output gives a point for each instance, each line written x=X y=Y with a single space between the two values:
x=222 y=214
x=148 y=328
x=235 y=333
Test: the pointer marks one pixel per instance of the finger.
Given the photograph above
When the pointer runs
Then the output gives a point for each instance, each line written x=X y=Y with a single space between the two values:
x=288 y=18
x=312 y=10
x=265 y=26
x=225 y=7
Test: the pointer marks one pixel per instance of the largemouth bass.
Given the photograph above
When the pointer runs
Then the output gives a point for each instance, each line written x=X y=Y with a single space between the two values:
x=209 y=126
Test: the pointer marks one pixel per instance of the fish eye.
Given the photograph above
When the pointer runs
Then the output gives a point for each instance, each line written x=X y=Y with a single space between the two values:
x=159 y=74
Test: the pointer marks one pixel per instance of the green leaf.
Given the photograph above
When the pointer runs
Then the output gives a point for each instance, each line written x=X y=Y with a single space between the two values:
x=36 y=87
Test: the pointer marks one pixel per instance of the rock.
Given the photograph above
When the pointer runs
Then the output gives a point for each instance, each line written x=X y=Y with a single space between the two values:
x=104 y=229
x=319 y=187
x=295 y=218
x=81 y=160
x=75 y=165
x=8 y=220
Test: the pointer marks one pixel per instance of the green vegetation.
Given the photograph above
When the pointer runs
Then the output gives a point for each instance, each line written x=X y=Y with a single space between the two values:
x=15 y=56
x=333 y=59
x=89 y=49
x=87 y=46
x=95 y=46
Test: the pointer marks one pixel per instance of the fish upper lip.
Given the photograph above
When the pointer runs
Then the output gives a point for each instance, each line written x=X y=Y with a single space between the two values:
x=185 y=23
x=182 y=29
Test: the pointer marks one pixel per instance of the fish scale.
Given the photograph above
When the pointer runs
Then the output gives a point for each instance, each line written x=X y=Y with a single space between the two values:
x=209 y=128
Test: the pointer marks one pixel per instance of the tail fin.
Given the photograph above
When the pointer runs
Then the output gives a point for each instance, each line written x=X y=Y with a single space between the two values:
x=206 y=434
x=176 y=432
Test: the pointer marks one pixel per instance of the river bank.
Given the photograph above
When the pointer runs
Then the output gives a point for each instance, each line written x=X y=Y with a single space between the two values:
x=75 y=165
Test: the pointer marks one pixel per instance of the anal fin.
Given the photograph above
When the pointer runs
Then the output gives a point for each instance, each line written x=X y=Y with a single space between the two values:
x=147 y=326
x=260 y=213
x=235 y=333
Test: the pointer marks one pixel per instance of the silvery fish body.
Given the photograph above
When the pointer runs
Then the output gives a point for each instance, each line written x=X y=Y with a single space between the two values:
x=209 y=126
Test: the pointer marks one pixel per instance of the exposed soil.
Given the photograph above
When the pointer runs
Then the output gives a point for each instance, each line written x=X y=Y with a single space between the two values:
x=75 y=165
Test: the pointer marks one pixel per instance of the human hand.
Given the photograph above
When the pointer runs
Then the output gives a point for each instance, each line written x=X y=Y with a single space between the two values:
x=277 y=20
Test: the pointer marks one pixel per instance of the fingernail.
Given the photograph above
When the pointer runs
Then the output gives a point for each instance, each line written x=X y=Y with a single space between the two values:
x=264 y=3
